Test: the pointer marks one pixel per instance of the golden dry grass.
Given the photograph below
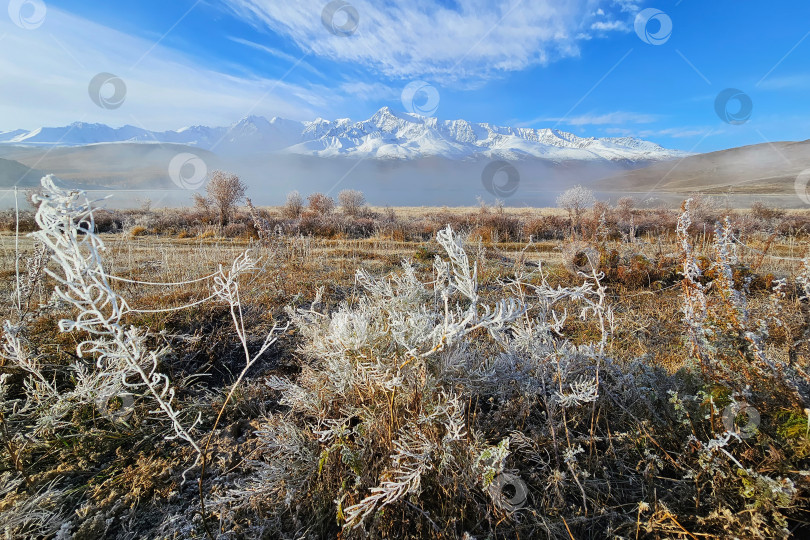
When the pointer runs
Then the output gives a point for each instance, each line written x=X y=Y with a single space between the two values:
x=648 y=326
x=648 y=318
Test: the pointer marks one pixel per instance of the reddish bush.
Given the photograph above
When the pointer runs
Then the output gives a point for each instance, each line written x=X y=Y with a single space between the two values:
x=321 y=203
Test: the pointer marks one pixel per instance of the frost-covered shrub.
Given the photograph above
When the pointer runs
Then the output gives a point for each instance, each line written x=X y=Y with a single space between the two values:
x=726 y=340
x=432 y=402
x=421 y=406
x=113 y=364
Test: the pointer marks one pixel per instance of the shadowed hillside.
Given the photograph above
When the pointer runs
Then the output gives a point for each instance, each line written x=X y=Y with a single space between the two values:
x=14 y=173
x=761 y=169
x=119 y=165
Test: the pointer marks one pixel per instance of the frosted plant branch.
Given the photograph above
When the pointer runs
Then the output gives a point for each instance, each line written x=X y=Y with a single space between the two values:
x=411 y=460
x=226 y=288
x=694 y=306
x=724 y=245
x=67 y=227
x=581 y=391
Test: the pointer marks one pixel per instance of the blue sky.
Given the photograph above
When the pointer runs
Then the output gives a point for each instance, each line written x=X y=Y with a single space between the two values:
x=577 y=65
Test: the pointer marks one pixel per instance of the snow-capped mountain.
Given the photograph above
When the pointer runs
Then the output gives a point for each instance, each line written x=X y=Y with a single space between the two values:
x=6 y=136
x=386 y=135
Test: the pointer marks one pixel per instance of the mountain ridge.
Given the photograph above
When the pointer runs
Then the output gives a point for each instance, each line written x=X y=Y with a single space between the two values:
x=385 y=135
x=764 y=168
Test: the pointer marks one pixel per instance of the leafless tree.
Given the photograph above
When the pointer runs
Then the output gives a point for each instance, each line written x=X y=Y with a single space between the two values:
x=294 y=206
x=624 y=211
x=624 y=208
x=224 y=192
x=321 y=203
x=352 y=201
x=575 y=201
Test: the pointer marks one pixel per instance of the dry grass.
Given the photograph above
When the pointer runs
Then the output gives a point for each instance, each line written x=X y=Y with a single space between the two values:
x=648 y=314
x=123 y=480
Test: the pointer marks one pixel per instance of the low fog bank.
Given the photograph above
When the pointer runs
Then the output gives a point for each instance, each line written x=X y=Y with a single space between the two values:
x=135 y=173
x=423 y=182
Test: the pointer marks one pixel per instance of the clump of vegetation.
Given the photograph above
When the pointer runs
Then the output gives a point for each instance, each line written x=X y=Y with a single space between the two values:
x=352 y=202
x=579 y=216
x=321 y=204
x=460 y=397
x=224 y=192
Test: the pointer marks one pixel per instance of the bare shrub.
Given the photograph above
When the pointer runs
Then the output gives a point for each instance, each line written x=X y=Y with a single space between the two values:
x=575 y=201
x=768 y=213
x=264 y=229
x=359 y=227
x=321 y=204
x=599 y=222
x=9 y=221
x=624 y=208
x=705 y=209
x=545 y=228
x=352 y=202
x=389 y=215
x=108 y=221
x=237 y=230
x=500 y=227
x=325 y=226
x=656 y=221
x=224 y=192
x=294 y=205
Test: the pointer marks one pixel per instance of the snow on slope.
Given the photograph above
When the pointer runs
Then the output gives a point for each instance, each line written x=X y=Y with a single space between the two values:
x=386 y=135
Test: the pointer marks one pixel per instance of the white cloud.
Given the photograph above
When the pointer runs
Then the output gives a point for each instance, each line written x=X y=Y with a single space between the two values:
x=46 y=73
x=675 y=132
x=290 y=59
x=612 y=118
x=786 y=82
x=627 y=6
x=422 y=39
x=608 y=26
x=678 y=132
x=370 y=91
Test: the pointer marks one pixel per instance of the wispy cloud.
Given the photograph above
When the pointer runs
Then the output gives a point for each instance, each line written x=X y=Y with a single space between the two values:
x=52 y=66
x=616 y=118
x=628 y=6
x=425 y=39
x=372 y=91
x=787 y=82
x=608 y=26
x=676 y=132
x=290 y=59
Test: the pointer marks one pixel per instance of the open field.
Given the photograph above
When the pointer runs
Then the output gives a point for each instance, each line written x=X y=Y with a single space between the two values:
x=612 y=396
